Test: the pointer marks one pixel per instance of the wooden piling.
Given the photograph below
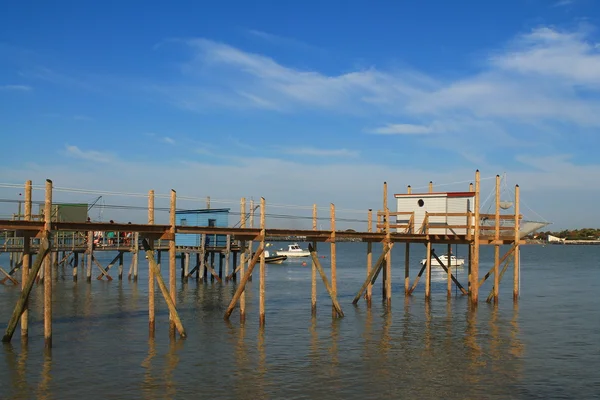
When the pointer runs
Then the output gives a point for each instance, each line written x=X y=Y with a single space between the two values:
x=172 y=262
x=18 y=310
x=430 y=186
x=227 y=254
x=48 y=268
x=75 y=265
x=262 y=284
x=26 y=261
x=497 y=246
x=242 y=296
x=385 y=226
x=516 y=261
x=407 y=258
x=388 y=261
x=243 y=281
x=151 y=277
x=449 y=284
x=313 y=272
x=89 y=253
x=333 y=260
x=251 y=225
x=173 y=315
x=428 y=272
x=474 y=292
x=337 y=310
x=121 y=266
x=369 y=257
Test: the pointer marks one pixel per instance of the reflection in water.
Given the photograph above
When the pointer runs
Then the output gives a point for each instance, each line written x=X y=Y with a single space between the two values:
x=172 y=359
x=43 y=390
x=149 y=382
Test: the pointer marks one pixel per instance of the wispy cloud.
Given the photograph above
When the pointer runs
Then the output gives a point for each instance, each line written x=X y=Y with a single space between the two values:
x=563 y=3
x=17 y=88
x=401 y=129
x=168 y=140
x=317 y=152
x=89 y=155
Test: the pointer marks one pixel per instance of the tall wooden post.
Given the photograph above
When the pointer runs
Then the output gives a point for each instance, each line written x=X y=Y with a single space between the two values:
x=407 y=258
x=313 y=272
x=388 y=260
x=262 y=283
x=517 y=270
x=48 y=268
x=333 y=261
x=428 y=272
x=151 y=278
x=430 y=186
x=243 y=260
x=227 y=254
x=474 y=292
x=250 y=243
x=385 y=229
x=449 y=284
x=90 y=253
x=497 y=239
x=26 y=260
x=75 y=265
x=369 y=257
x=172 y=262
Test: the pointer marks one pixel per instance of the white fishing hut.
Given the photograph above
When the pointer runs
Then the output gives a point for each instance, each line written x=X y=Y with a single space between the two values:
x=443 y=209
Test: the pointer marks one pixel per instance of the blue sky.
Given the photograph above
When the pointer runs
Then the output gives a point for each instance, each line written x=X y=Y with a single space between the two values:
x=305 y=102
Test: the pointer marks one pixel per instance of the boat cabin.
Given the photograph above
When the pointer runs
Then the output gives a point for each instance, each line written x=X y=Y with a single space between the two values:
x=416 y=206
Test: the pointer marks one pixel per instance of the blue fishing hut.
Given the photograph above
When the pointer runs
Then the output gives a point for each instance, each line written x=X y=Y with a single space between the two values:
x=218 y=217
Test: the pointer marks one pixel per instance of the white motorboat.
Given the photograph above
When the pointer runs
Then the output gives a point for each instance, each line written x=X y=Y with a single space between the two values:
x=454 y=262
x=293 y=251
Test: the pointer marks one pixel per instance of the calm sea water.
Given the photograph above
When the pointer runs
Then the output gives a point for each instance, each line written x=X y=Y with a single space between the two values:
x=547 y=347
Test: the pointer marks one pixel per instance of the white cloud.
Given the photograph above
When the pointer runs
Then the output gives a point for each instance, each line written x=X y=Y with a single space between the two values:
x=168 y=140
x=89 y=155
x=402 y=129
x=18 y=88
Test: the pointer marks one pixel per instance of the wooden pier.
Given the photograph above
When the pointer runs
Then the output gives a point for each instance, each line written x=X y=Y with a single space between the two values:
x=72 y=243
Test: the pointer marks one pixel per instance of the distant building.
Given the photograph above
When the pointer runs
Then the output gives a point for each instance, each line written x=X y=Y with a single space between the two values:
x=217 y=217
x=444 y=202
x=554 y=239
x=67 y=212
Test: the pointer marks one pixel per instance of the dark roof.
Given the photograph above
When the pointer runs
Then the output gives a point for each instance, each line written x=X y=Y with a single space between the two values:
x=204 y=211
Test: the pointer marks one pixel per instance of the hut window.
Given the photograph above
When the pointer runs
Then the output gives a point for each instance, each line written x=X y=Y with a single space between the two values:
x=212 y=222
x=183 y=221
x=421 y=203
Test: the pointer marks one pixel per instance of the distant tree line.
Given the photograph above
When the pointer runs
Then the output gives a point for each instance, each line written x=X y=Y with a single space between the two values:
x=574 y=234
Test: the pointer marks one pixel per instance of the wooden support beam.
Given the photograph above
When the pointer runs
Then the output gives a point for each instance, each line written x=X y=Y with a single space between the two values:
x=369 y=258
x=243 y=278
x=89 y=252
x=428 y=271
x=504 y=268
x=313 y=271
x=102 y=270
x=373 y=274
x=26 y=260
x=262 y=272
x=242 y=286
x=172 y=263
x=474 y=292
x=173 y=315
x=497 y=238
x=75 y=265
x=22 y=302
x=414 y=286
x=7 y=276
x=517 y=267
x=491 y=271
x=336 y=306
x=48 y=268
x=335 y=311
x=151 y=277
x=449 y=272
x=109 y=266
x=388 y=262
